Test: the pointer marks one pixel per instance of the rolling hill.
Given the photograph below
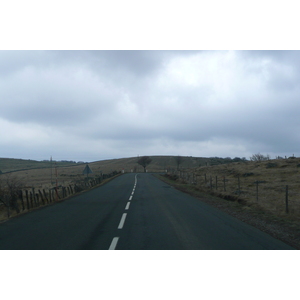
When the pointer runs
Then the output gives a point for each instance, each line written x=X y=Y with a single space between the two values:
x=41 y=173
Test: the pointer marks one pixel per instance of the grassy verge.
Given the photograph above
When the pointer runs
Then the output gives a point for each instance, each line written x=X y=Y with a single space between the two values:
x=3 y=209
x=281 y=227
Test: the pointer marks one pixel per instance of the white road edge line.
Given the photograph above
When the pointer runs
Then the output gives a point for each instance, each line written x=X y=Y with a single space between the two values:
x=113 y=243
x=122 y=221
x=127 y=206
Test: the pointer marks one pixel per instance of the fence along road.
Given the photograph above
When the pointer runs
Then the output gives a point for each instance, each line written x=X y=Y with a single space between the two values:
x=133 y=211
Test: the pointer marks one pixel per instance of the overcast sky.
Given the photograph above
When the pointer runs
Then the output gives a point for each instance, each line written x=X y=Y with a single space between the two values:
x=93 y=105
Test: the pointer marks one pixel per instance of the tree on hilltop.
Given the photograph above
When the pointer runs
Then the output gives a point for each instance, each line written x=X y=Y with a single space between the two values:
x=259 y=157
x=144 y=161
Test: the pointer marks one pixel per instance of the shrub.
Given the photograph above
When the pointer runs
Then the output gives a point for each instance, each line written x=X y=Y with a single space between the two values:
x=259 y=157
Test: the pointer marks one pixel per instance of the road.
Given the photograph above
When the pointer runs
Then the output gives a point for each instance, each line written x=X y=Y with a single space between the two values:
x=132 y=212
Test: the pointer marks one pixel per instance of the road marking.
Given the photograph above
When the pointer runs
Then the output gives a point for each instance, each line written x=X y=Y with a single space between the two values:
x=135 y=179
x=113 y=243
x=122 y=221
x=115 y=240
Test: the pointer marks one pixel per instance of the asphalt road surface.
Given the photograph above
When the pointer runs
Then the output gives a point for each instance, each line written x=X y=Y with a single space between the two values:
x=132 y=212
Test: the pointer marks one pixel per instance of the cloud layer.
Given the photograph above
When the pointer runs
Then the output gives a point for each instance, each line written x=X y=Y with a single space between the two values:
x=92 y=105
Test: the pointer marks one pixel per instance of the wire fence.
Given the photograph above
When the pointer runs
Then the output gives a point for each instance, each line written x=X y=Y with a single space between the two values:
x=276 y=195
x=26 y=199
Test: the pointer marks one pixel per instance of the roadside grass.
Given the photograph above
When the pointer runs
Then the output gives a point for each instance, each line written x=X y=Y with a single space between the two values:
x=13 y=213
x=269 y=194
x=261 y=215
x=239 y=197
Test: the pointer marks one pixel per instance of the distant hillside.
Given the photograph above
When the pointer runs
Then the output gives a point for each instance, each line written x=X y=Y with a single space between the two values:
x=38 y=173
x=159 y=163
x=12 y=164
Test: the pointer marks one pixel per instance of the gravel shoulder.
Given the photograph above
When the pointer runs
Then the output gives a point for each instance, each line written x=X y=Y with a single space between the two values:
x=282 y=229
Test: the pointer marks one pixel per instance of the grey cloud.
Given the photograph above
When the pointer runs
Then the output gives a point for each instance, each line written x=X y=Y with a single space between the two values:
x=125 y=102
x=54 y=96
x=114 y=63
x=138 y=62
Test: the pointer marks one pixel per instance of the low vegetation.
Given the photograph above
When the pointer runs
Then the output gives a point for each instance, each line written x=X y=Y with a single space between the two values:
x=264 y=184
x=269 y=183
x=263 y=193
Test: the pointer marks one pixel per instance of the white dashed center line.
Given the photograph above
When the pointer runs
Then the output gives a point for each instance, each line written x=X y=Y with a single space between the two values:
x=122 y=221
x=113 y=243
x=115 y=240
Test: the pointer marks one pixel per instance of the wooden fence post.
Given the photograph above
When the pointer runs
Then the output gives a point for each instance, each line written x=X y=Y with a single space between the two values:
x=34 y=199
x=224 y=184
x=27 y=199
x=22 y=199
x=31 y=199
x=216 y=183
x=45 y=195
x=56 y=191
x=42 y=197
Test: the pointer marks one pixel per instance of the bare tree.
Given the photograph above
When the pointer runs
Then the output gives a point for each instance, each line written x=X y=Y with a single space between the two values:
x=179 y=160
x=144 y=161
x=259 y=157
